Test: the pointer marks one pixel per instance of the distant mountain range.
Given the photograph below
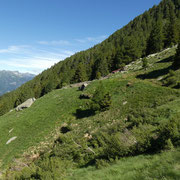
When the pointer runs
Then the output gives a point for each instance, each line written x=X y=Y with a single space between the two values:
x=10 y=80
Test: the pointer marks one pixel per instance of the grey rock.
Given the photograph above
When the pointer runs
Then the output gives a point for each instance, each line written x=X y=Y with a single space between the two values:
x=25 y=104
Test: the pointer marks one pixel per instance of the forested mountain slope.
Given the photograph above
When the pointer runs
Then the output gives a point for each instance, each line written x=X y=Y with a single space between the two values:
x=148 y=33
x=10 y=80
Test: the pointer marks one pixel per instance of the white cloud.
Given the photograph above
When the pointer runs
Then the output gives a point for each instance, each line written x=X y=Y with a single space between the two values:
x=12 y=49
x=54 y=43
x=42 y=55
x=30 y=59
x=31 y=63
x=92 y=39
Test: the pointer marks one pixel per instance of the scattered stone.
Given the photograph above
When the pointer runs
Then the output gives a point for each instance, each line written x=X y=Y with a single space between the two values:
x=88 y=136
x=90 y=150
x=122 y=72
x=138 y=62
x=106 y=77
x=11 y=130
x=79 y=84
x=10 y=140
x=74 y=125
x=65 y=87
x=160 y=78
x=129 y=84
x=125 y=102
x=34 y=157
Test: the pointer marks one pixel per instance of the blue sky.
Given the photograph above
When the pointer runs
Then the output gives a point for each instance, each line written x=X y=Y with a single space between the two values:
x=35 y=34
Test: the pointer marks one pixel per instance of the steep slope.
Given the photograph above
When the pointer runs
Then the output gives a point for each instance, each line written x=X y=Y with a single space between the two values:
x=10 y=80
x=59 y=133
x=122 y=47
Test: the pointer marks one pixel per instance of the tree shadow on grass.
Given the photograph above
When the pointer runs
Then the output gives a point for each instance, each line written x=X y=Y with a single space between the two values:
x=166 y=60
x=82 y=113
x=90 y=163
x=154 y=74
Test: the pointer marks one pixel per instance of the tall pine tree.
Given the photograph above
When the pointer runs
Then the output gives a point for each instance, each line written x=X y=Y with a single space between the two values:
x=172 y=29
x=80 y=74
x=155 y=40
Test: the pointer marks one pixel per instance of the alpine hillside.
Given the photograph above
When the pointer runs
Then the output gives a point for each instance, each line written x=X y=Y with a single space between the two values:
x=123 y=126
x=110 y=112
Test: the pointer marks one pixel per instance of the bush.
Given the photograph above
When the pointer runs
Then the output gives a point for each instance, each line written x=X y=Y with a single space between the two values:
x=101 y=100
x=101 y=163
x=169 y=130
x=144 y=135
x=98 y=75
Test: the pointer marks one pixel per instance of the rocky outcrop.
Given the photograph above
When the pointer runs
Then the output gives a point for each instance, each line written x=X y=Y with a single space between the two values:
x=28 y=103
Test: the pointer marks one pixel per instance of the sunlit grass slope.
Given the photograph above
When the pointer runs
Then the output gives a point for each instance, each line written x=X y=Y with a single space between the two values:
x=164 y=165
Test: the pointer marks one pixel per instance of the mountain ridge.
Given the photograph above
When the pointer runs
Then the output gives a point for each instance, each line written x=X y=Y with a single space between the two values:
x=11 y=80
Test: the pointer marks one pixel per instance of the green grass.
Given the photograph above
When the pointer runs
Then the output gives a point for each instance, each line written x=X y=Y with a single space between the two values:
x=165 y=165
x=32 y=125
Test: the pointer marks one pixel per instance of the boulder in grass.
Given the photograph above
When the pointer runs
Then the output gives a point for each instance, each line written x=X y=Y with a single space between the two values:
x=25 y=104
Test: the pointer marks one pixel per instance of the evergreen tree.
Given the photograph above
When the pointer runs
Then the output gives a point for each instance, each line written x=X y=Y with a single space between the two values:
x=117 y=60
x=172 y=29
x=155 y=40
x=145 y=63
x=47 y=88
x=80 y=74
x=101 y=67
